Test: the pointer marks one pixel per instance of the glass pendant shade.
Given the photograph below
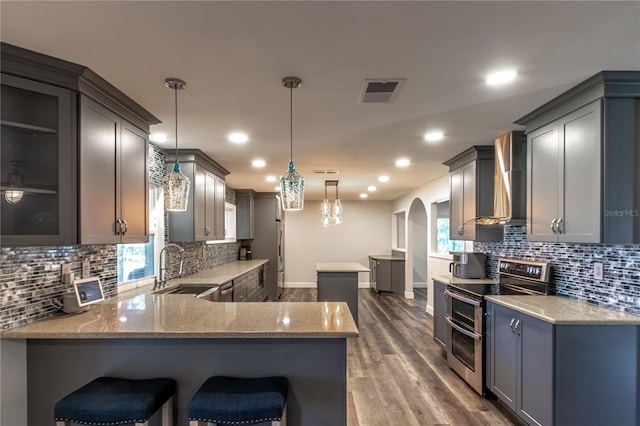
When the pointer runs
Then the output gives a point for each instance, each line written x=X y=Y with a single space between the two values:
x=176 y=190
x=175 y=184
x=337 y=212
x=292 y=189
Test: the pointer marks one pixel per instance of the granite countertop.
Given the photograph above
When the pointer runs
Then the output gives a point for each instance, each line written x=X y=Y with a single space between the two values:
x=184 y=316
x=341 y=267
x=219 y=274
x=562 y=310
x=385 y=257
x=450 y=279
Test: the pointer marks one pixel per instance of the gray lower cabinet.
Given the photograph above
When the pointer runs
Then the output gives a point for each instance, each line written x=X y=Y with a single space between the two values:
x=249 y=287
x=387 y=274
x=114 y=189
x=204 y=218
x=562 y=374
x=440 y=334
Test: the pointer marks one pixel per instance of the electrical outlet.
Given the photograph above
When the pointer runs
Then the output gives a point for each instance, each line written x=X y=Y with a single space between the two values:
x=86 y=269
x=597 y=271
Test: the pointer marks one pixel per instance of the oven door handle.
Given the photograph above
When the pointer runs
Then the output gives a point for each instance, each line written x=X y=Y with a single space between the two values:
x=468 y=333
x=462 y=299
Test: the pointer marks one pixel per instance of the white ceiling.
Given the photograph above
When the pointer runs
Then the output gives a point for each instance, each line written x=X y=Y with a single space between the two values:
x=234 y=54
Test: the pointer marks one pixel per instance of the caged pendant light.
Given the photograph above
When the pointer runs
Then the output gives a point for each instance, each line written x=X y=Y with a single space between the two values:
x=292 y=183
x=175 y=183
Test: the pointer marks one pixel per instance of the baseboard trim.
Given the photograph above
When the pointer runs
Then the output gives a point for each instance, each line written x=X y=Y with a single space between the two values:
x=429 y=310
x=308 y=284
x=408 y=295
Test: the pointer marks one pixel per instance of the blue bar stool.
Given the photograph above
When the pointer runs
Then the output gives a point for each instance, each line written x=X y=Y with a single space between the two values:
x=230 y=400
x=111 y=401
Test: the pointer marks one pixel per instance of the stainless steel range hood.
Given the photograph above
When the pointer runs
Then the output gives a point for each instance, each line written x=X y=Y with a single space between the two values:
x=510 y=181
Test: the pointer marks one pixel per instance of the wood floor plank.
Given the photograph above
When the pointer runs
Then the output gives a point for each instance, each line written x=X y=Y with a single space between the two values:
x=397 y=375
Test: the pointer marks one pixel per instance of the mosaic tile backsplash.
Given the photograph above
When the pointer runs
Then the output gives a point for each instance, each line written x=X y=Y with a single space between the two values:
x=30 y=277
x=572 y=268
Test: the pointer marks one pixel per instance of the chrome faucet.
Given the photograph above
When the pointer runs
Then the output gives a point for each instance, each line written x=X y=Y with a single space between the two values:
x=161 y=280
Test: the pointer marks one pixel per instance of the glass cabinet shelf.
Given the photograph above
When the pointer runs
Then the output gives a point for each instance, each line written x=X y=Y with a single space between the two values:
x=28 y=128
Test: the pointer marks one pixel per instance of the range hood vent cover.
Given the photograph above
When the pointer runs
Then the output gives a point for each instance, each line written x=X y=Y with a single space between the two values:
x=381 y=91
x=510 y=179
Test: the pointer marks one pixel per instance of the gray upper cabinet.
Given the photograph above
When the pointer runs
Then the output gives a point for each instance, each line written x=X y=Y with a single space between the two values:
x=564 y=178
x=38 y=126
x=114 y=192
x=245 y=205
x=85 y=174
x=471 y=175
x=582 y=176
x=204 y=218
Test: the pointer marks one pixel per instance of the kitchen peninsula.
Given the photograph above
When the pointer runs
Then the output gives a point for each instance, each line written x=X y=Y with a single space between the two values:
x=188 y=339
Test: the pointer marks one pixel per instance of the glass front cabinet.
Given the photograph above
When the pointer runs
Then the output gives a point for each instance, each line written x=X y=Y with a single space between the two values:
x=38 y=163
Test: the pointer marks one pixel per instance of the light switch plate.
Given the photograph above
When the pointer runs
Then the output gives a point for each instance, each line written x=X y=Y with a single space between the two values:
x=597 y=271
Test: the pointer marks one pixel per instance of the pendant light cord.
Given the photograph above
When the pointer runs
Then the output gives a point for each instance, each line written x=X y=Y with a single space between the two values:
x=291 y=120
x=175 y=91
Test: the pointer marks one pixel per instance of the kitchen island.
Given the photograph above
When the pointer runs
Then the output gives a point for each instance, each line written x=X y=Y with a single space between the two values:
x=185 y=338
x=338 y=281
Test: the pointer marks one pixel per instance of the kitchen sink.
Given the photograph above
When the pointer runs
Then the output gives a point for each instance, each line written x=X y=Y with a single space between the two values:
x=201 y=291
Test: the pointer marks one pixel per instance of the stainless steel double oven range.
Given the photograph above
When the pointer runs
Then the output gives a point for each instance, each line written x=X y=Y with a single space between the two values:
x=466 y=310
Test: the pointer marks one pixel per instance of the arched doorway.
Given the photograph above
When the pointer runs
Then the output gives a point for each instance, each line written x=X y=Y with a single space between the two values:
x=417 y=246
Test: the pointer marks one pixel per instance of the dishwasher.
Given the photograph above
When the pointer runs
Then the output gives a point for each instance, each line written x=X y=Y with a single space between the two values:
x=225 y=292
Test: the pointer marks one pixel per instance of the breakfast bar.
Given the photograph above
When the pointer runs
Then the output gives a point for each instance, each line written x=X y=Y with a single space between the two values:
x=188 y=339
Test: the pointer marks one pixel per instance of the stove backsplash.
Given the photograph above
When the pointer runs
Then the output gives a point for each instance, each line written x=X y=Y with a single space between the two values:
x=572 y=268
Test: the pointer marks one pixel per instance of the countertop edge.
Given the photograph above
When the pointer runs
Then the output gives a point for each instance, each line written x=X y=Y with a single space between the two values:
x=630 y=320
x=151 y=336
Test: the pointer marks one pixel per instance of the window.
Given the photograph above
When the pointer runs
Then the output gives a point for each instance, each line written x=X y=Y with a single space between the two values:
x=137 y=262
x=443 y=245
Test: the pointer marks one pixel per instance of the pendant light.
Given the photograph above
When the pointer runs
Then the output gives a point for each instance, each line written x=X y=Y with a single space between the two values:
x=291 y=183
x=16 y=181
x=330 y=214
x=175 y=183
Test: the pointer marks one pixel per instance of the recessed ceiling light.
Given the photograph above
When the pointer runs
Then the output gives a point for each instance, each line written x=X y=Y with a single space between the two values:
x=258 y=163
x=158 y=137
x=501 y=77
x=434 y=136
x=363 y=195
x=271 y=179
x=238 y=137
x=371 y=188
x=383 y=178
x=402 y=162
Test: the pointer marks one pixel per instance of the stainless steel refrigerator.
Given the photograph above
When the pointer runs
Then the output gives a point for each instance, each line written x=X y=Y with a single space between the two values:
x=268 y=240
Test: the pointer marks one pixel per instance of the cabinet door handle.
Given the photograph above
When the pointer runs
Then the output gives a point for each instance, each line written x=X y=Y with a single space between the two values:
x=206 y=230
x=126 y=226
x=118 y=227
x=553 y=226
x=513 y=320
x=517 y=327
x=558 y=223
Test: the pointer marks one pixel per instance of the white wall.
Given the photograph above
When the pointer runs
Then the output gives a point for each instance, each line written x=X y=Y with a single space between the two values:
x=437 y=190
x=366 y=230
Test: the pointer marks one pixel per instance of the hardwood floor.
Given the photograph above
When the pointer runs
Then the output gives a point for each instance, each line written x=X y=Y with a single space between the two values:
x=397 y=375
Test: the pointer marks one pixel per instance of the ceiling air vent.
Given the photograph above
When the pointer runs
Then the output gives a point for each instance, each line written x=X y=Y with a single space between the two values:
x=382 y=91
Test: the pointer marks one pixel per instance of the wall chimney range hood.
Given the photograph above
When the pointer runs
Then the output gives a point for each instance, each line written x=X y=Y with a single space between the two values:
x=510 y=181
